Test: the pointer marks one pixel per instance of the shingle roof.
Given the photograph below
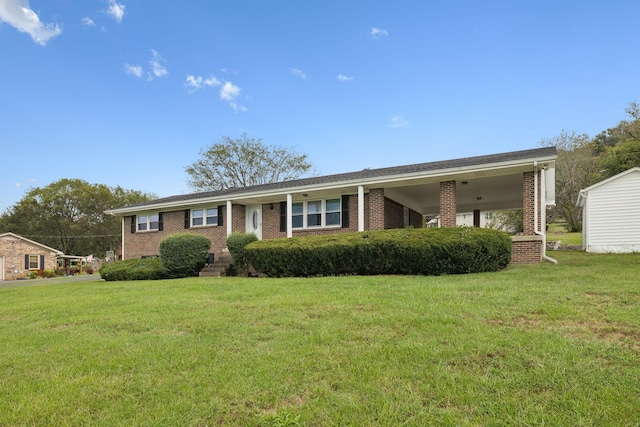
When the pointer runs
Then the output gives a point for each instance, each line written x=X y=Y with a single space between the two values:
x=365 y=174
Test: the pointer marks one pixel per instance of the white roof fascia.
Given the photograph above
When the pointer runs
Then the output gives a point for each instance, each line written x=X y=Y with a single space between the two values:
x=450 y=172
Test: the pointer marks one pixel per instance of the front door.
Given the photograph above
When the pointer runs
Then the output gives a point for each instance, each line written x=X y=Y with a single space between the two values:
x=1 y=268
x=254 y=220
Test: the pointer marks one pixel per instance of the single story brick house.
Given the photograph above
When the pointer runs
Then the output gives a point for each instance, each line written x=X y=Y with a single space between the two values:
x=610 y=220
x=19 y=256
x=371 y=199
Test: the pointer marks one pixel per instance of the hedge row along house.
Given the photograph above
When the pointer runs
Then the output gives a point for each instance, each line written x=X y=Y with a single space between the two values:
x=371 y=199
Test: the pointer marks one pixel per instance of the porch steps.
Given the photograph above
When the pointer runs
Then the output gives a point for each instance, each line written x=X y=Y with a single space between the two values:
x=221 y=267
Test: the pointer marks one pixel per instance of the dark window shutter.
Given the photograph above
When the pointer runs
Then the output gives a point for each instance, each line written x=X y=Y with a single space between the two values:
x=345 y=211
x=283 y=216
x=160 y=221
x=187 y=218
x=26 y=262
x=41 y=262
x=133 y=223
x=220 y=215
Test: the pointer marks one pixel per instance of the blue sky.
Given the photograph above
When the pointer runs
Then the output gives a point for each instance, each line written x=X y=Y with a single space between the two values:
x=127 y=92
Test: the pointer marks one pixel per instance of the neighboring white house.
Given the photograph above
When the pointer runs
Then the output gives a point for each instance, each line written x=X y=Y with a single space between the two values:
x=610 y=219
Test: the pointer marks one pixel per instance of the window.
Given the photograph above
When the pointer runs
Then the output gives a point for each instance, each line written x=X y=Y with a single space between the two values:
x=316 y=213
x=201 y=217
x=148 y=222
x=297 y=214
x=34 y=263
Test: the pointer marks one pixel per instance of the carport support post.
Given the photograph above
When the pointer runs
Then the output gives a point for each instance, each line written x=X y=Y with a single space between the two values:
x=447 y=204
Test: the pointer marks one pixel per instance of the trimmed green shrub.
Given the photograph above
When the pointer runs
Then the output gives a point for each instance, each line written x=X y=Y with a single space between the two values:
x=133 y=269
x=422 y=251
x=236 y=243
x=184 y=254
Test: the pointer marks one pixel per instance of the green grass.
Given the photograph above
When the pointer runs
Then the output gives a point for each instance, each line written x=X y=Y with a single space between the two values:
x=530 y=345
x=558 y=231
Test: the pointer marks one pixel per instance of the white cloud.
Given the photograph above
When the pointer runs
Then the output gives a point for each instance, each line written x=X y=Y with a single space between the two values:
x=88 y=22
x=157 y=67
x=229 y=92
x=18 y=14
x=116 y=10
x=298 y=72
x=134 y=70
x=377 y=33
x=398 y=122
x=196 y=83
x=344 y=78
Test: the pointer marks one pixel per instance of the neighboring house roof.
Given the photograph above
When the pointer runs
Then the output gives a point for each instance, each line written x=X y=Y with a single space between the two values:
x=415 y=174
x=584 y=193
x=15 y=236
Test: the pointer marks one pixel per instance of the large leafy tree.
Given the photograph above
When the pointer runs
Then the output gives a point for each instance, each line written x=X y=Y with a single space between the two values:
x=620 y=146
x=242 y=162
x=69 y=215
x=576 y=168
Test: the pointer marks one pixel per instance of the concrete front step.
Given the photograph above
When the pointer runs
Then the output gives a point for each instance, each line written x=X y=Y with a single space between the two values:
x=221 y=267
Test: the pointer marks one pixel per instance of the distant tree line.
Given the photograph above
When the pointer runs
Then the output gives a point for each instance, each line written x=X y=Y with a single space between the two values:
x=68 y=215
x=584 y=161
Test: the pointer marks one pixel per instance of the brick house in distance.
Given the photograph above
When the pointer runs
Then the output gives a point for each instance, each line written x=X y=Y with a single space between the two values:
x=19 y=256
x=371 y=199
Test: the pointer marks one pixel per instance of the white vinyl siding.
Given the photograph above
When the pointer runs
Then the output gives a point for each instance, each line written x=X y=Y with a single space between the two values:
x=611 y=215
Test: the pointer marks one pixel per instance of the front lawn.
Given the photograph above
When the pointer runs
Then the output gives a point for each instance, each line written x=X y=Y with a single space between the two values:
x=529 y=345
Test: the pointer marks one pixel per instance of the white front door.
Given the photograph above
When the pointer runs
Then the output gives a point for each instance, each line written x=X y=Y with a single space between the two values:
x=1 y=268
x=254 y=220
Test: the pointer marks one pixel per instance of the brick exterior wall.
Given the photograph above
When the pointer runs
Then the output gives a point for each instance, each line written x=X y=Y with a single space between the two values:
x=147 y=243
x=529 y=251
x=14 y=254
x=448 y=204
x=528 y=203
x=376 y=209
x=239 y=217
x=525 y=251
x=394 y=215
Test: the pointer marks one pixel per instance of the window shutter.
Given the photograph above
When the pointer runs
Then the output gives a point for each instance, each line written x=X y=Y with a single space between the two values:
x=160 y=221
x=283 y=217
x=187 y=218
x=220 y=215
x=345 y=211
x=133 y=223
x=41 y=262
x=26 y=262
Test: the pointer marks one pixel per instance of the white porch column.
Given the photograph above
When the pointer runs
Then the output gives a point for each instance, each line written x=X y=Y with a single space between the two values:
x=122 y=246
x=229 y=217
x=289 y=216
x=361 y=208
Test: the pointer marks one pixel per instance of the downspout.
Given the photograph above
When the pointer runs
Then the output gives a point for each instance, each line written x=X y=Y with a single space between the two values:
x=543 y=215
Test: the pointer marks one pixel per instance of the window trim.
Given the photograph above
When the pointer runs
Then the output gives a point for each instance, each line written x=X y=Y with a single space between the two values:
x=205 y=218
x=148 y=223
x=323 y=214
x=37 y=257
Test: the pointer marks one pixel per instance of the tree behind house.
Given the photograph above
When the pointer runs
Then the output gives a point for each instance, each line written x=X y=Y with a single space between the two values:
x=243 y=162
